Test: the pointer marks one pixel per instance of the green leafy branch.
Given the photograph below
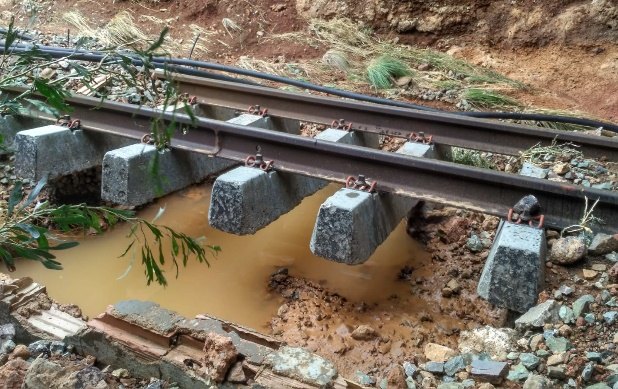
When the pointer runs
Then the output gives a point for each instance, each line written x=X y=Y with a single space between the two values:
x=25 y=233
x=25 y=230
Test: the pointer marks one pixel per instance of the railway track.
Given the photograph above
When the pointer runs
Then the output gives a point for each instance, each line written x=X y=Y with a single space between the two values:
x=446 y=129
x=460 y=186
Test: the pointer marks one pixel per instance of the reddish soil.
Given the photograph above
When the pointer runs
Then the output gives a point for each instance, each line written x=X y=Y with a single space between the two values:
x=577 y=70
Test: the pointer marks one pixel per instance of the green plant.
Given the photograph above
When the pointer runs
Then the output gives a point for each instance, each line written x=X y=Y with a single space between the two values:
x=383 y=70
x=485 y=98
x=470 y=158
x=25 y=232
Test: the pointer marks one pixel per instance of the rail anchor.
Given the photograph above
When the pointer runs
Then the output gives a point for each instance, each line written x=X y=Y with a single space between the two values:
x=527 y=210
x=360 y=183
x=341 y=125
x=421 y=138
x=259 y=162
x=257 y=110
x=66 y=121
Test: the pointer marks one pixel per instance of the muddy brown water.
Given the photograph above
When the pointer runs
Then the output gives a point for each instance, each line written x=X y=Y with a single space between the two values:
x=234 y=287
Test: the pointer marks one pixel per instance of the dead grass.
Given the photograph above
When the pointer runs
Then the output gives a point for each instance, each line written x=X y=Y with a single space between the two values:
x=540 y=154
x=558 y=126
x=122 y=32
x=487 y=98
x=361 y=48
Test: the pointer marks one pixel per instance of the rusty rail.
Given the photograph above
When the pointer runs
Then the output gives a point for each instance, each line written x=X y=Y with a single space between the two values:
x=444 y=182
x=447 y=129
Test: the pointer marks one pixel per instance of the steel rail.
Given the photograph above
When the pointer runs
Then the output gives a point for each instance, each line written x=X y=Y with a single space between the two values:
x=461 y=186
x=447 y=129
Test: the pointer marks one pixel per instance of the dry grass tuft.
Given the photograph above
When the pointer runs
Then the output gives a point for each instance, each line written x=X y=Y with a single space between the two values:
x=230 y=26
x=487 y=98
x=337 y=60
x=122 y=32
x=360 y=47
x=540 y=154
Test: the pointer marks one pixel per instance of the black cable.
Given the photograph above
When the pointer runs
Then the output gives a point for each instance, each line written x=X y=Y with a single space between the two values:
x=55 y=51
x=539 y=118
x=183 y=66
x=20 y=35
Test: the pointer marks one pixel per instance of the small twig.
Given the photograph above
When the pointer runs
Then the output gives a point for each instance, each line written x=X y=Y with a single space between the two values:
x=194 y=43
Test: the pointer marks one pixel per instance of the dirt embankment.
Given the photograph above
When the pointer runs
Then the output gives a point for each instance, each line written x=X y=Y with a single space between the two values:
x=507 y=23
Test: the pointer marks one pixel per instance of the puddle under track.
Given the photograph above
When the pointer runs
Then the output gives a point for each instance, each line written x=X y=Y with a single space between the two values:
x=234 y=287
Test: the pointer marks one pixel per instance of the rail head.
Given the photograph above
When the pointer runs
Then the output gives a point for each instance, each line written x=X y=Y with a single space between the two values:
x=448 y=129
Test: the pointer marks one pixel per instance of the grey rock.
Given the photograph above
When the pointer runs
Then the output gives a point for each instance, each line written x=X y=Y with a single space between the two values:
x=612 y=302
x=518 y=373
x=44 y=373
x=566 y=314
x=474 y=243
x=590 y=318
x=556 y=372
x=604 y=186
x=155 y=384
x=582 y=305
x=587 y=371
x=513 y=355
x=594 y=356
x=613 y=256
x=605 y=295
x=364 y=379
x=7 y=331
x=514 y=271
x=535 y=381
x=530 y=361
x=566 y=290
x=454 y=365
x=490 y=371
x=451 y=385
x=434 y=367
x=542 y=353
x=539 y=315
x=410 y=369
x=610 y=317
x=39 y=347
x=469 y=383
x=598 y=386
x=613 y=368
x=298 y=363
x=568 y=250
x=7 y=346
x=497 y=342
x=558 y=344
x=410 y=383
x=57 y=347
x=530 y=170
x=603 y=244
x=120 y=373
